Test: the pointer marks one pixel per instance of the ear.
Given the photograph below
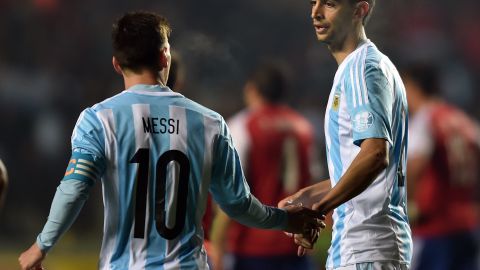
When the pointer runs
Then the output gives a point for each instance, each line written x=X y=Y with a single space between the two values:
x=361 y=10
x=163 y=57
x=116 y=65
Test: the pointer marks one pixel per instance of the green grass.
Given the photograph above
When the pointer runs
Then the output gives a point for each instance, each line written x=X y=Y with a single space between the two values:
x=77 y=253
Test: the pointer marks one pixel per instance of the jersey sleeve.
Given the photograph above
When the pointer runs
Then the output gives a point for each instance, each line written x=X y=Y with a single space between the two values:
x=88 y=149
x=372 y=100
x=232 y=193
x=88 y=134
x=228 y=181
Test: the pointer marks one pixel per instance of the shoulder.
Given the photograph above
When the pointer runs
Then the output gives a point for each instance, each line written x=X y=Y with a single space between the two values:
x=377 y=63
x=209 y=114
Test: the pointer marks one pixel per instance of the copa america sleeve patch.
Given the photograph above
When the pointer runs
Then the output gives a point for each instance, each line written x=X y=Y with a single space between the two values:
x=362 y=121
x=82 y=167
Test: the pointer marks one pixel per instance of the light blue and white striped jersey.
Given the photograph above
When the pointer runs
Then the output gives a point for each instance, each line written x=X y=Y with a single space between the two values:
x=368 y=100
x=162 y=154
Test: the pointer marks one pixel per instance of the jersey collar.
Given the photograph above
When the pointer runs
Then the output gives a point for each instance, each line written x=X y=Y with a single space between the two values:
x=153 y=90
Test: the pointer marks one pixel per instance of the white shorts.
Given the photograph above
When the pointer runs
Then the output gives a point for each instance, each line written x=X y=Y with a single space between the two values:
x=374 y=266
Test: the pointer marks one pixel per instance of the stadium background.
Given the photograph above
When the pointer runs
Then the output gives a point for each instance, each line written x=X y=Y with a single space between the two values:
x=55 y=59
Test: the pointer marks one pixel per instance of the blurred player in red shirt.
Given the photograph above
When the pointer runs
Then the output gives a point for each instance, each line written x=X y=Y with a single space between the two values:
x=443 y=174
x=275 y=146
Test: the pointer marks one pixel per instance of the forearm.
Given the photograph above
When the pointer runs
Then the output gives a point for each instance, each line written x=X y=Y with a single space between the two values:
x=361 y=173
x=252 y=213
x=310 y=195
x=67 y=203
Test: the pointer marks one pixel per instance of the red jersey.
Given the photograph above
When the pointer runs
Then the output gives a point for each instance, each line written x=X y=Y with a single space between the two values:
x=275 y=145
x=446 y=193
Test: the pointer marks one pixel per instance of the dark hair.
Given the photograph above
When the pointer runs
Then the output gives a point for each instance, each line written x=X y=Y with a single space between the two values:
x=371 y=3
x=270 y=82
x=425 y=75
x=137 y=38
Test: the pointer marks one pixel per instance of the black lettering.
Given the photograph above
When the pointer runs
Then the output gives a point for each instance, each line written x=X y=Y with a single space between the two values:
x=178 y=124
x=164 y=125
x=171 y=126
x=154 y=125
x=147 y=127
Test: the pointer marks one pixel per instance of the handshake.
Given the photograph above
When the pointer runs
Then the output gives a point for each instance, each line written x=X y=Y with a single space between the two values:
x=304 y=224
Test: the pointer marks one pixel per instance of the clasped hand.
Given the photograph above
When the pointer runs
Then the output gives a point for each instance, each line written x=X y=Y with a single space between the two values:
x=305 y=224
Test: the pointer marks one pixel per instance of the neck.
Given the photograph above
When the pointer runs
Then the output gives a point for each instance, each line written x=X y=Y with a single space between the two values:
x=144 y=77
x=350 y=43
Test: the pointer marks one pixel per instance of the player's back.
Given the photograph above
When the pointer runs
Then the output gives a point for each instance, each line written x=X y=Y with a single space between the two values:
x=448 y=187
x=275 y=145
x=158 y=152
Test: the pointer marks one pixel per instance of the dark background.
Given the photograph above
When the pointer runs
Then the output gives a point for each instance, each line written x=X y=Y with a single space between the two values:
x=55 y=60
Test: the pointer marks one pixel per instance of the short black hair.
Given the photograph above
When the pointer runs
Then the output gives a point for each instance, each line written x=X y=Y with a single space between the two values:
x=270 y=81
x=137 y=38
x=425 y=75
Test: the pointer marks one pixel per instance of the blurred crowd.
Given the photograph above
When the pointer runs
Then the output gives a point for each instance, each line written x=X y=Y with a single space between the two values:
x=55 y=60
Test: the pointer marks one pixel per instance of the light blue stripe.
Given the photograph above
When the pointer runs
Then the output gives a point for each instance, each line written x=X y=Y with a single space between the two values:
x=337 y=173
x=157 y=245
x=123 y=119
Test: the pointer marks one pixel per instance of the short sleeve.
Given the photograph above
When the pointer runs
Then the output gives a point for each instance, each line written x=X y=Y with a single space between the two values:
x=372 y=114
x=88 y=134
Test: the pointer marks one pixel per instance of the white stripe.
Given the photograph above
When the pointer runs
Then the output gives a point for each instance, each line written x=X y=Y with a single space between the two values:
x=212 y=128
x=348 y=152
x=87 y=168
x=354 y=96
x=138 y=246
x=364 y=82
x=86 y=162
x=109 y=189
x=357 y=81
x=85 y=174
x=177 y=142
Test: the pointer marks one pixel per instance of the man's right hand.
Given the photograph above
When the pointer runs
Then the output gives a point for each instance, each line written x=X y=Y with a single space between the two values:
x=32 y=258
x=302 y=220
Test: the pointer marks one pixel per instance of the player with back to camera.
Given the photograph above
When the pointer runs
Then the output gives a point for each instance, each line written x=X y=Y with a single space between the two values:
x=158 y=155
x=443 y=172
x=275 y=145
x=366 y=139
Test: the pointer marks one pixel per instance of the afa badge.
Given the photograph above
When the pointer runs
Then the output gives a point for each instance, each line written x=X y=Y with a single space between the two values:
x=336 y=102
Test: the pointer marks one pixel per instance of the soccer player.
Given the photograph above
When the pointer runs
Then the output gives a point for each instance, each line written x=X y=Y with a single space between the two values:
x=366 y=140
x=157 y=155
x=443 y=172
x=275 y=145
x=3 y=183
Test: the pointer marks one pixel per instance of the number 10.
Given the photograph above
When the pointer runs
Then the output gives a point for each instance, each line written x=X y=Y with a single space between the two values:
x=142 y=157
